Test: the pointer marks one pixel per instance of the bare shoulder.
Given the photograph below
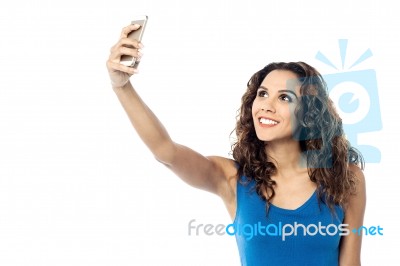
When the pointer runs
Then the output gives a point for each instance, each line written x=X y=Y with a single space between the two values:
x=226 y=165
x=359 y=176
x=357 y=200
x=356 y=170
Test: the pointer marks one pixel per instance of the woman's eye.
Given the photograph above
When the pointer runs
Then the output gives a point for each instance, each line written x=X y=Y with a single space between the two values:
x=286 y=98
x=262 y=94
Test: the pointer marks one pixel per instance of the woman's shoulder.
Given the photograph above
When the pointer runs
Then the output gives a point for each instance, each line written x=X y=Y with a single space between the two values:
x=358 y=198
x=359 y=176
x=227 y=165
x=357 y=170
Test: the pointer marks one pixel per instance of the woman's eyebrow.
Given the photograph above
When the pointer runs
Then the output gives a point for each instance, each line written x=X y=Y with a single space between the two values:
x=280 y=91
x=288 y=91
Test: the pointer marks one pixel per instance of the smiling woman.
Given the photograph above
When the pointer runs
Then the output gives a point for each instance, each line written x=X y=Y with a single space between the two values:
x=292 y=151
x=291 y=162
x=290 y=108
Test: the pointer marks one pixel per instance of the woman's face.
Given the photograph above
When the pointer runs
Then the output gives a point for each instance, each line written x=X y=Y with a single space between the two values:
x=273 y=107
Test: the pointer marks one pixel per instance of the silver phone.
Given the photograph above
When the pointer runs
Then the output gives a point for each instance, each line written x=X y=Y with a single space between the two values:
x=128 y=60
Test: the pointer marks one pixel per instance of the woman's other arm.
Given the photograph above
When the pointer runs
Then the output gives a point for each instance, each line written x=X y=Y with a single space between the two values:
x=350 y=247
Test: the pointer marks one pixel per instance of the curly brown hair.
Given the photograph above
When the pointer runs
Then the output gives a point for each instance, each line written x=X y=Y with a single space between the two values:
x=321 y=139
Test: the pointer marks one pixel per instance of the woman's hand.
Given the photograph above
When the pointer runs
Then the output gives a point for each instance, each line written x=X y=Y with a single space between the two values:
x=120 y=74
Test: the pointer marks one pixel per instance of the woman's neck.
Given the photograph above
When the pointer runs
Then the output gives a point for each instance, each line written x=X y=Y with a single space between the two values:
x=287 y=156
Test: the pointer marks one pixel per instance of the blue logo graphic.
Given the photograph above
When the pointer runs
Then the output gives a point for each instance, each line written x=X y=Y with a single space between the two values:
x=355 y=94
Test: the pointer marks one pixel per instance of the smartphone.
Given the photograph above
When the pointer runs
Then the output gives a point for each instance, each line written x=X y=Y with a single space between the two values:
x=128 y=60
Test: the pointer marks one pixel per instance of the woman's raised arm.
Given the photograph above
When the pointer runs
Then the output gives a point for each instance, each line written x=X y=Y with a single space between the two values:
x=213 y=174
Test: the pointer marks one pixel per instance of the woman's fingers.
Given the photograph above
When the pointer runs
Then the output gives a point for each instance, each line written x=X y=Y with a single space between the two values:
x=119 y=67
x=122 y=50
x=120 y=73
x=128 y=29
x=125 y=47
x=129 y=43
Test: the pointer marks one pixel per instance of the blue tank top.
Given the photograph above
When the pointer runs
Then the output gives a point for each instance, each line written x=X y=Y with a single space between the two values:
x=308 y=235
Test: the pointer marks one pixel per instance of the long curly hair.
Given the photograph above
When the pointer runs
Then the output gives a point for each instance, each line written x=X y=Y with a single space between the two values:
x=328 y=153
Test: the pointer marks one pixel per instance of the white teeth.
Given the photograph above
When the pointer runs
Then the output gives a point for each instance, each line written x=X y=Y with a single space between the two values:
x=267 y=121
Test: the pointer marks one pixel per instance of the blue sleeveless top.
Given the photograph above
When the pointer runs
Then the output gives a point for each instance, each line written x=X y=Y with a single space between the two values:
x=308 y=235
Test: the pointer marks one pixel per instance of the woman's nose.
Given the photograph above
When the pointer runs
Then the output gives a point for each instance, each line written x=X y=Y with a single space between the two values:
x=268 y=105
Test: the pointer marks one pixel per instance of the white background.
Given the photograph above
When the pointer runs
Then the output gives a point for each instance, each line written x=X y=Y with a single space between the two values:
x=77 y=186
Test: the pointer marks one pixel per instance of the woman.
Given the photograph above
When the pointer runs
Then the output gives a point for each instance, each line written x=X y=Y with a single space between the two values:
x=295 y=180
